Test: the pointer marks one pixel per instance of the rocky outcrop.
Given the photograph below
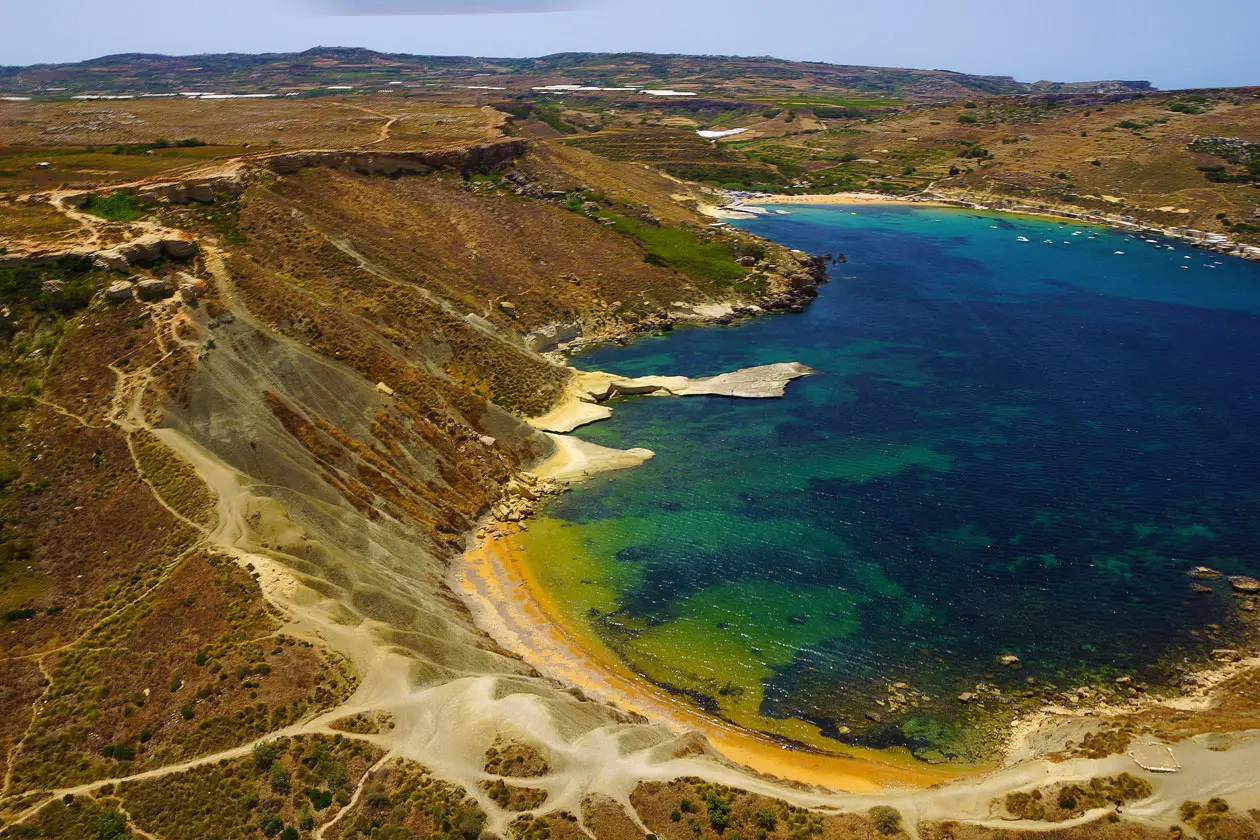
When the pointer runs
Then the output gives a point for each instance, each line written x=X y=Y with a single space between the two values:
x=588 y=389
x=1233 y=149
x=803 y=279
x=202 y=188
x=552 y=336
x=120 y=291
x=459 y=158
x=145 y=250
x=154 y=288
x=1245 y=585
x=523 y=491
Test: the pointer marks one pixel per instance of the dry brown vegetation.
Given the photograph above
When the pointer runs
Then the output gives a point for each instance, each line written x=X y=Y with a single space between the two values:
x=607 y=820
x=291 y=275
x=1044 y=153
x=89 y=145
x=300 y=782
x=707 y=811
x=194 y=668
x=1213 y=820
x=139 y=649
x=568 y=167
x=1056 y=803
x=402 y=800
x=254 y=124
x=173 y=479
x=90 y=167
x=513 y=758
x=513 y=797
x=76 y=818
x=560 y=825
x=1106 y=828
x=364 y=723
x=33 y=221
x=478 y=249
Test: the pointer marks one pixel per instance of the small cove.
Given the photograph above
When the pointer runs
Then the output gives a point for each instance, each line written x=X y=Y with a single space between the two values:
x=1014 y=447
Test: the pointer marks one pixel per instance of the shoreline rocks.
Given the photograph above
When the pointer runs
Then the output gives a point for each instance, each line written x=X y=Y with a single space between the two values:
x=1245 y=585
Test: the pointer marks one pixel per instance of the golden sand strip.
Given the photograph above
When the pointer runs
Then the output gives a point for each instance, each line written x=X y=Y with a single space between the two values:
x=847 y=198
x=507 y=601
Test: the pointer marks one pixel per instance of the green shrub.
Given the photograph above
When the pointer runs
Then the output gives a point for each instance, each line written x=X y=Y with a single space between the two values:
x=118 y=752
x=967 y=119
x=270 y=824
x=885 y=819
x=111 y=824
x=320 y=799
x=681 y=250
x=264 y=756
x=278 y=778
x=117 y=206
x=719 y=810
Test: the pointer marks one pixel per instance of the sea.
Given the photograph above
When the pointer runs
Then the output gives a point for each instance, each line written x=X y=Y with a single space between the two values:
x=1011 y=448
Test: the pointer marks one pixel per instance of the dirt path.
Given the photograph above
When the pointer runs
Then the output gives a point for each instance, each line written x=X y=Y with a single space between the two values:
x=384 y=130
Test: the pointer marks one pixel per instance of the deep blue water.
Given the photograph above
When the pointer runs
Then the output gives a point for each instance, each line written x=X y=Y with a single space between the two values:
x=1012 y=447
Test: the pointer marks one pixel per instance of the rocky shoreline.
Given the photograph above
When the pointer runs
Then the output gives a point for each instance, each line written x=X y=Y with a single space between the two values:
x=796 y=286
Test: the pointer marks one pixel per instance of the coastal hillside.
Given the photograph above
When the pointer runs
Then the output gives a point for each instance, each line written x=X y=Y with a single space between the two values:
x=248 y=426
x=1180 y=158
x=267 y=369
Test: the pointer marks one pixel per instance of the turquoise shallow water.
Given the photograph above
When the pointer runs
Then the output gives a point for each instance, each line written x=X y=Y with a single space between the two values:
x=1012 y=447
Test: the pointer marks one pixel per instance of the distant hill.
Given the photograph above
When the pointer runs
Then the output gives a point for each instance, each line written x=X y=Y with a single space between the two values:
x=367 y=70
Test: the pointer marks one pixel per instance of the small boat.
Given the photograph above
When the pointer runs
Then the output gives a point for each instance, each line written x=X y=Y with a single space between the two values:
x=1076 y=233
x=1022 y=239
x=1049 y=241
x=1120 y=252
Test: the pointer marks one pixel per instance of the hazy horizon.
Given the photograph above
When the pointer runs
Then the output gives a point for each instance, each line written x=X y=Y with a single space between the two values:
x=1172 y=45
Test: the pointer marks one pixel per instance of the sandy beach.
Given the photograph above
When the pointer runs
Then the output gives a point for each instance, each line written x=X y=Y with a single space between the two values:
x=846 y=198
x=507 y=601
x=757 y=206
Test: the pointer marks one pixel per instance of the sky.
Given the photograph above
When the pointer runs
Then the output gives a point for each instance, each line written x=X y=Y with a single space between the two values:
x=1187 y=43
